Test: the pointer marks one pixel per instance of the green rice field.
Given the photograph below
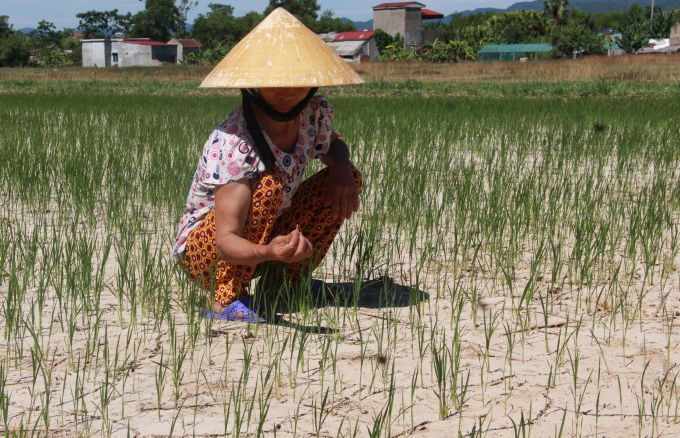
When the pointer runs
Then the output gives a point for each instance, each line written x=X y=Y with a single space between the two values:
x=512 y=272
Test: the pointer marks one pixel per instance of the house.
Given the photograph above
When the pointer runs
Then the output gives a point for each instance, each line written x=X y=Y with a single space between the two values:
x=675 y=31
x=356 y=46
x=328 y=37
x=612 y=45
x=185 y=47
x=665 y=46
x=406 y=19
x=127 y=52
x=613 y=48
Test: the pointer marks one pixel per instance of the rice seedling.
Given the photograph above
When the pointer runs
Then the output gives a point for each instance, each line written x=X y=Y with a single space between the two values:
x=566 y=211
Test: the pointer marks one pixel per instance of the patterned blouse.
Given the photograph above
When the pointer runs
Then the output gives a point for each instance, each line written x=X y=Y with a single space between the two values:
x=228 y=156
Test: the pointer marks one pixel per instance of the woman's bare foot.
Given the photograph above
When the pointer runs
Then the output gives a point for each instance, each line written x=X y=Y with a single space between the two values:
x=219 y=308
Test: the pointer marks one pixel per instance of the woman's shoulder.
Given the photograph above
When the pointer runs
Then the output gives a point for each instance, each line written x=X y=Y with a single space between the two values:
x=234 y=125
x=228 y=154
x=230 y=135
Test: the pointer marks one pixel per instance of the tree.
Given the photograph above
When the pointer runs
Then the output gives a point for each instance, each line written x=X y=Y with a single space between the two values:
x=6 y=29
x=635 y=15
x=382 y=40
x=575 y=38
x=100 y=24
x=159 y=20
x=54 y=57
x=555 y=9
x=458 y=21
x=304 y=10
x=396 y=52
x=13 y=51
x=248 y=22
x=632 y=39
x=184 y=7
x=46 y=34
x=608 y=20
x=219 y=26
x=584 y=18
x=461 y=50
x=634 y=31
x=662 y=23
x=326 y=23
x=209 y=56
x=440 y=51
x=519 y=27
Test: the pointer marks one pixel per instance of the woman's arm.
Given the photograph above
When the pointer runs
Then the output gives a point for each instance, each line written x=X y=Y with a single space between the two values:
x=341 y=190
x=338 y=153
x=232 y=204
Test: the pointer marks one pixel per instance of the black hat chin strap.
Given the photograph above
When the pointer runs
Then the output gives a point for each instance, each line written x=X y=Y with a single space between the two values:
x=261 y=146
x=270 y=112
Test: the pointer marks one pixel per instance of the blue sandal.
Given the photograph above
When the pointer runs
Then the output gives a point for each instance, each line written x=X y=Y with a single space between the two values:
x=229 y=313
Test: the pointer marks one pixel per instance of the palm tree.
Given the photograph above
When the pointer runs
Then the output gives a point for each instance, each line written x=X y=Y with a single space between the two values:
x=556 y=9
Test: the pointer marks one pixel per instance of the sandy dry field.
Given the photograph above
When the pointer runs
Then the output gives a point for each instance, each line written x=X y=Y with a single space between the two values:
x=570 y=373
x=467 y=301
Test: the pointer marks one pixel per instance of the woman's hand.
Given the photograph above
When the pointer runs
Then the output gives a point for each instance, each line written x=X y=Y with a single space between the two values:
x=341 y=191
x=290 y=248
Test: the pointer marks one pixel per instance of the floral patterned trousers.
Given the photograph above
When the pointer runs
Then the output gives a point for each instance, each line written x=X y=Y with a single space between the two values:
x=306 y=212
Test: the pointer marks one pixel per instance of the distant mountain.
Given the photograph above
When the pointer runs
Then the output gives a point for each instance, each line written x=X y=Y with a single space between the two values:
x=26 y=30
x=475 y=11
x=360 y=25
x=589 y=6
x=668 y=4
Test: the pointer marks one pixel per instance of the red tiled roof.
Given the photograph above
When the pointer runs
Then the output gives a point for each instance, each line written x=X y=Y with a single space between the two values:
x=189 y=43
x=77 y=35
x=430 y=15
x=354 y=35
x=147 y=43
x=395 y=4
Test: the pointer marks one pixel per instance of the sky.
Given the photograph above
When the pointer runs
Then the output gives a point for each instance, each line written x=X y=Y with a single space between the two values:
x=27 y=13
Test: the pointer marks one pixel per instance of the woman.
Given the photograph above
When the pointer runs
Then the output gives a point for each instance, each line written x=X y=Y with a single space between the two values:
x=247 y=204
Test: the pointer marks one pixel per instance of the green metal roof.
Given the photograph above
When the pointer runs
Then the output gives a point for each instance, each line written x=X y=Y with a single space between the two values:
x=510 y=48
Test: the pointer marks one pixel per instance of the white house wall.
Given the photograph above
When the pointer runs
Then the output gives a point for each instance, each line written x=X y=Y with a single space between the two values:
x=414 y=28
x=372 y=49
x=404 y=21
x=97 y=54
x=392 y=21
x=130 y=55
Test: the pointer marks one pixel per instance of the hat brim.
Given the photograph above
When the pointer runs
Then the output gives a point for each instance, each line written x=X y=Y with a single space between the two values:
x=281 y=52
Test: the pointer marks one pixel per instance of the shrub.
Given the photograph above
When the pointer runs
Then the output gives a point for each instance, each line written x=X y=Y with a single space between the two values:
x=13 y=52
x=440 y=51
x=383 y=39
x=210 y=56
x=54 y=57
x=575 y=38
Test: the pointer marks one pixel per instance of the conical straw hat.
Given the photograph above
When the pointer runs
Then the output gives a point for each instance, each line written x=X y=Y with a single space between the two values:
x=281 y=52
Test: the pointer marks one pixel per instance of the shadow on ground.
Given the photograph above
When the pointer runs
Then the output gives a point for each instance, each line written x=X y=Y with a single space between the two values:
x=374 y=294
